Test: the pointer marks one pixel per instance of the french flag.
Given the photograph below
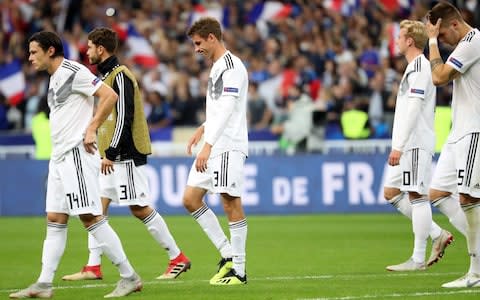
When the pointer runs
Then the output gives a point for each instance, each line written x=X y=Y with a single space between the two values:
x=345 y=7
x=12 y=81
x=140 y=49
x=217 y=12
x=269 y=10
x=393 y=30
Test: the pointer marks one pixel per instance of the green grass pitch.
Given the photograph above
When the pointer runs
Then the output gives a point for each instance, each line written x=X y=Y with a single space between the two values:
x=288 y=257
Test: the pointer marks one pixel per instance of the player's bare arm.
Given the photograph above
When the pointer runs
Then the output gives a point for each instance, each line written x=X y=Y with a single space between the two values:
x=107 y=100
x=196 y=137
x=441 y=73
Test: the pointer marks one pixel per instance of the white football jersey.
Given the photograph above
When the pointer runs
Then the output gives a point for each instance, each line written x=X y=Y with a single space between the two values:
x=466 y=88
x=70 y=98
x=416 y=83
x=228 y=77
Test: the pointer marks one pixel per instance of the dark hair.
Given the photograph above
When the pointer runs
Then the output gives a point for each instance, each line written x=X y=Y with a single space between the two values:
x=47 y=39
x=204 y=27
x=104 y=37
x=445 y=11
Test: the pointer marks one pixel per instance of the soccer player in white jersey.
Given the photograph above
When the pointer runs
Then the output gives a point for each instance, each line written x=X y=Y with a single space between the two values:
x=218 y=167
x=73 y=186
x=413 y=142
x=459 y=163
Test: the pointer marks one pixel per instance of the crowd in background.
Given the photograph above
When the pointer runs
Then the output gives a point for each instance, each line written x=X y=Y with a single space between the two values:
x=335 y=56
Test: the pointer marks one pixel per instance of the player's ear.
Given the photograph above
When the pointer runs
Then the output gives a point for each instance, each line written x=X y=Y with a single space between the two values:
x=51 y=51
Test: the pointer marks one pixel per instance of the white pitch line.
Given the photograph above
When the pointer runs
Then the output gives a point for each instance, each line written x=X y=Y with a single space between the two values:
x=398 y=295
x=268 y=278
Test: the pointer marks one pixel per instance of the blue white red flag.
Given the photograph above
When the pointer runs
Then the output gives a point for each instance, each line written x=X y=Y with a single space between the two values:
x=344 y=7
x=140 y=49
x=269 y=10
x=214 y=11
x=12 y=81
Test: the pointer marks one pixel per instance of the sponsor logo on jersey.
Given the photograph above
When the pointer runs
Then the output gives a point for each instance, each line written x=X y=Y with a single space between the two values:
x=95 y=81
x=230 y=90
x=456 y=62
x=417 y=91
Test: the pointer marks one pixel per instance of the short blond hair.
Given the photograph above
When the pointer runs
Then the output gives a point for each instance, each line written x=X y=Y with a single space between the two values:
x=417 y=31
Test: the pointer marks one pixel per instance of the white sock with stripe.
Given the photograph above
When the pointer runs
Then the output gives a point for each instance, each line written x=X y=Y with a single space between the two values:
x=421 y=223
x=450 y=207
x=209 y=223
x=112 y=247
x=159 y=230
x=53 y=248
x=472 y=213
x=402 y=203
x=95 y=251
x=238 y=236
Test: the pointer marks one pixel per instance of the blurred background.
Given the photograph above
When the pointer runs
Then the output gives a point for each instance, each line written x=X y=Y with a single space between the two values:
x=323 y=81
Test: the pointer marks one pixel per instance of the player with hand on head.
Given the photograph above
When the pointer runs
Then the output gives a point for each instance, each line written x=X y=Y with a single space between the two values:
x=73 y=187
x=124 y=144
x=218 y=167
x=458 y=167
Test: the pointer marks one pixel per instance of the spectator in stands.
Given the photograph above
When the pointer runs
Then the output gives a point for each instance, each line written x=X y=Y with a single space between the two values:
x=259 y=115
x=41 y=130
x=160 y=115
x=354 y=120
x=296 y=127
x=4 y=123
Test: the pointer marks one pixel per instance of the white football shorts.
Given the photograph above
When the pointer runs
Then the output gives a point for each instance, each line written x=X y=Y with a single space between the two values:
x=126 y=185
x=224 y=174
x=458 y=167
x=72 y=186
x=413 y=173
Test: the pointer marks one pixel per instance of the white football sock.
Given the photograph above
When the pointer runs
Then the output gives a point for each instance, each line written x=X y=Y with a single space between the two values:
x=95 y=251
x=450 y=207
x=209 y=223
x=112 y=247
x=159 y=230
x=421 y=223
x=402 y=203
x=238 y=236
x=472 y=213
x=53 y=248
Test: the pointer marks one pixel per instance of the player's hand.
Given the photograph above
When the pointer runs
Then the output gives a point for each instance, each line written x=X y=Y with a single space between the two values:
x=433 y=30
x=89 y=141
x=394 y=157
x=107 y=166
x=202 y=158
x=193 y=141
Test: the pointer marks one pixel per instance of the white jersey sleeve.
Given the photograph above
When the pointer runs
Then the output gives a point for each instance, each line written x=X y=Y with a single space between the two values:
x=464 y=54
x=418 y=82
x=85 y=82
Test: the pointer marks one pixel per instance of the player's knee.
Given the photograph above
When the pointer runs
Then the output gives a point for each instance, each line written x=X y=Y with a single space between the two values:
x=141 y=212
x=434 y=194
x=390 y=193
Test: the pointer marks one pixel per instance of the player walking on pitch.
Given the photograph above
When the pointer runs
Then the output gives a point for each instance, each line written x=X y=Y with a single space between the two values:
x=413 y=141
x=218 y=167
x=73 y=186
x=458 y=166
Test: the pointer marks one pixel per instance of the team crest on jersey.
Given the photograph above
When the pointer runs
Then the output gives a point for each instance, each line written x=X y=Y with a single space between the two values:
x=95 y=81
x=230 y=90
x=417 y=91
x=456 y=62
